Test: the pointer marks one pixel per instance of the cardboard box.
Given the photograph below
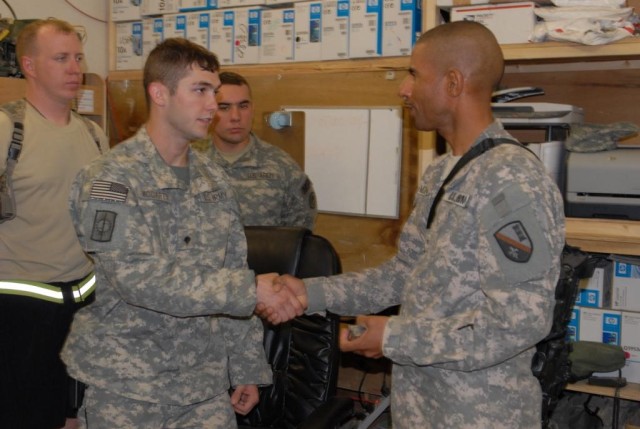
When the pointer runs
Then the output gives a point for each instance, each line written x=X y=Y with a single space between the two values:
x=129 y=45
x=196 y=5
x=277 y=35
x=247 y=35
x=221 y=35
x=175 y=25
x=335 y=29
x=626 y=286
x=159 y=7
x=308 y=31
x=630 y=343
x=573 y=328
x=365 y=29
x=401 y=26
x=152 y=34
x=125 y=10
x=239 y=3
x=510 y=22
x=600 y=325
x=596 y=291
x=198 y=24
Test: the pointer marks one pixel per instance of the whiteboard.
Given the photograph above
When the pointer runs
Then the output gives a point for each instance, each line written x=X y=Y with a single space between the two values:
x=352 y=156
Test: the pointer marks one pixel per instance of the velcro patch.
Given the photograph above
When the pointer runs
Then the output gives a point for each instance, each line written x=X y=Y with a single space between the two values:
x=108 y=191
x=104 y=223
x=514 y=241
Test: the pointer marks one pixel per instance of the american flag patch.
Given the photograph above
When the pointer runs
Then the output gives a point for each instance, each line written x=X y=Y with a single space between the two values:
x=108 y=191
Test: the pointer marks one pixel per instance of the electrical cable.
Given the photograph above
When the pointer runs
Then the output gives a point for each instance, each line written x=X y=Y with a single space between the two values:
x=81 y=11
x=10 y=9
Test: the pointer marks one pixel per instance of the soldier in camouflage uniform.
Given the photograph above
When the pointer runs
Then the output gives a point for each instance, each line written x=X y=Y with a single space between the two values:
x=171 y=329
x=271 y=189
x=476 y=288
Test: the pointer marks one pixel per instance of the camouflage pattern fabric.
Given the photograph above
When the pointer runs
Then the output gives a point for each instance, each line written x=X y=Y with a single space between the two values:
x=172 y=321
x=598 y=137
x=270 y=186
x=476 y=293
x=104 y=410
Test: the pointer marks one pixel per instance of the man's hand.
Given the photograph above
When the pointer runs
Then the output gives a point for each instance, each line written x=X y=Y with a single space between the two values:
x=296 y=286
x=369 y=344
x=244 y=398
x=276 y=303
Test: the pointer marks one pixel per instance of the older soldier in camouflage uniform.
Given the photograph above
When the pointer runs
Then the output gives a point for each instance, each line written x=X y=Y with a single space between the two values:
x=476 y=288
x=172 y=325
x=271 y=189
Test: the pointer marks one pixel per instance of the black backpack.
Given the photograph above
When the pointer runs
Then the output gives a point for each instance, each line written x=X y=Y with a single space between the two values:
x=551 y=364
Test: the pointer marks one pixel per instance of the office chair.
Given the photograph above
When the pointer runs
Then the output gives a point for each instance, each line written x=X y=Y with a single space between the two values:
x=304 y=352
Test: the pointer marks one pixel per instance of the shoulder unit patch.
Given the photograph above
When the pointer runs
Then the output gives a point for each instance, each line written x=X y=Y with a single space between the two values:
x=514 y=241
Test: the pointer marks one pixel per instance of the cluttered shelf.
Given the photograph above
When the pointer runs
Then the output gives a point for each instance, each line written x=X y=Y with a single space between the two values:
x=630 y=392
x=604 y=235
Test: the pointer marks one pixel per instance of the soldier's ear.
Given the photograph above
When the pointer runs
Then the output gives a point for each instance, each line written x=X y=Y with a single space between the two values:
x=26 y=65
x=158 y=93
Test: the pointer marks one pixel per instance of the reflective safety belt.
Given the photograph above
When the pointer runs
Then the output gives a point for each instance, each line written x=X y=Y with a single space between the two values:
x=48 y=292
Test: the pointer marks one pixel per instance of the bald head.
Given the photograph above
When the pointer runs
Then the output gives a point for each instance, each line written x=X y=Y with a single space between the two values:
x=469 y=47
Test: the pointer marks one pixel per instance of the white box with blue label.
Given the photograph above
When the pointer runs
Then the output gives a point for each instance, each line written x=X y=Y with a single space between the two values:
x=175 y=25
x=365 y=29
x=239 y=3
x=626 y=286
x=335 y=29
x=221 y=35
x=509 y=22
x=308 y=31
x=630 y=343
x=129 y=45
x=196 y=5
x=600 y=325
x=401 y=26
x=596 y=290
x=159 y=7
x=125 y=10
x=573 y=328
x=152 y=34
x=278 y=29
x=247 y=36
x=198 y=25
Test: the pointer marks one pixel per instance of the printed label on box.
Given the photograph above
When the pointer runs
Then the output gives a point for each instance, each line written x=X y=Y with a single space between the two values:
x=401 y=26
x=308 y=36
x=198 y=24
x=129 y=45
x=277 y=36
x=194 y=5
x=626 y=286
x=335 y=29
x=152 y=34
x=221 y=33
x=365 y=28
x=247 y=36
x=125 y=10
x=175 y=26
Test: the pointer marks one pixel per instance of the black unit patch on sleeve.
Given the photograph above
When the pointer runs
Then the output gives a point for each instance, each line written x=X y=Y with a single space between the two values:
x=103 y=226
x=514 y=241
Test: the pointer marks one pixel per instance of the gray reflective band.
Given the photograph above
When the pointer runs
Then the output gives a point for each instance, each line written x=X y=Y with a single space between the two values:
x=48 y=292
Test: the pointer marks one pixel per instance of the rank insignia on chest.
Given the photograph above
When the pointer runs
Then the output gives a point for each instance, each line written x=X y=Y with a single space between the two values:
x=514 y=241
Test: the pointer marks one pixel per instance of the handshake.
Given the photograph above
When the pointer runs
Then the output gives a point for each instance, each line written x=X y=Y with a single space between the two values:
x=280 y=298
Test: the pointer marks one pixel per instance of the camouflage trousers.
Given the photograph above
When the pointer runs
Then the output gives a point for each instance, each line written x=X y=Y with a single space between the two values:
x=104 y=410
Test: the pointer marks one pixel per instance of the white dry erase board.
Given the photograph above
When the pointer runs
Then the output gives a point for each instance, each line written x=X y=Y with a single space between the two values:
x=353 y=157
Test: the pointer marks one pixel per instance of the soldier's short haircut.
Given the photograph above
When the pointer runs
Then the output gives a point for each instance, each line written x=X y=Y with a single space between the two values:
x=231 y=78
x=27 y=38
x=172 y=59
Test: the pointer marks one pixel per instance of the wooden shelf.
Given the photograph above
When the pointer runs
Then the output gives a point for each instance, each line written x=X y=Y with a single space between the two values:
x=630 y=392
x=604 y=235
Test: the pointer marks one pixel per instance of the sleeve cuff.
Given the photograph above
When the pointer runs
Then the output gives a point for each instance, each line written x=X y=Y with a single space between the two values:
x=315 y=294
